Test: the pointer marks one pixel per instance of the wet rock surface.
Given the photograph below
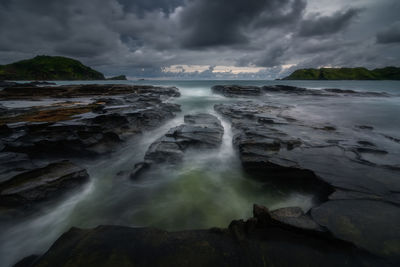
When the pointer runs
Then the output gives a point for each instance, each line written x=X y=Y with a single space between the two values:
x=275 y=145
x=353 y=222
x=259 y=145
x=80 y=129
x=232 y=90
x=240 y=90
x=259 y=241
x=372 y=225
x=94 y=121
x=198 y=131
x=30 y=91
x=41 y=184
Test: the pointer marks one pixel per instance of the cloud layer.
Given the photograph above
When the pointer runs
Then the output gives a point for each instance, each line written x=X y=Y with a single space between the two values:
x=144 y=38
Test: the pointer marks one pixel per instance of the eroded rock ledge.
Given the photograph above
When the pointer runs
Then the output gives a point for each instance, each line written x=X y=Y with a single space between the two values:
x=241 y=90
x=360 y=199
x=284 y=237
x=94 y=121
x=42 y=184
x=31 y=91
x=198 y=131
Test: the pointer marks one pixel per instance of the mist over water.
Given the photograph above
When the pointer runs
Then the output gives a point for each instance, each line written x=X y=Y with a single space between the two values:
x=209 y=188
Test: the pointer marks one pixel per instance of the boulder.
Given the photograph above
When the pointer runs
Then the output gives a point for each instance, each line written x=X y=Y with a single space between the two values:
x=244 y=243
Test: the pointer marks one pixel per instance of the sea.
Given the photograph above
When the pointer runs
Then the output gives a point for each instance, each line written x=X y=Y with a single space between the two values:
x=207 y=189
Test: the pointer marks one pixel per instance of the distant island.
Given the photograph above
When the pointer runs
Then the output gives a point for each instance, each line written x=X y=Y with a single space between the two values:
x=387 y=73
x=51 y=68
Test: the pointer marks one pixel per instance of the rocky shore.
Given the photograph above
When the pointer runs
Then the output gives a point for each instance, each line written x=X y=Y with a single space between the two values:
x=199 y=131
x=361 y=203
x=89 y=120
x=356 y=197
x=284 y=237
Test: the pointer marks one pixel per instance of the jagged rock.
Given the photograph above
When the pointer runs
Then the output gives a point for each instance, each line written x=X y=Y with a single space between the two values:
x=287 y=89
x=363 y=200
x=165 y=149
x=286 y=150
x=41 y=184
x=85 y=90
x=244 y=243
x=12 y=164
x=61 y=140
x=259 y=145
x=292 y=218
x=236 y=90
x=295 y=217
x=199 y=130
x=86 y=130
x=241 y=90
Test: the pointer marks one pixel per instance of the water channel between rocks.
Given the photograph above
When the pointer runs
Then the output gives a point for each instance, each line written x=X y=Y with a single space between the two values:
x=208 y=189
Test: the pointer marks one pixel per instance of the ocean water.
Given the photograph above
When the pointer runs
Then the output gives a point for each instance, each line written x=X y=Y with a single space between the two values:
x=209 y=188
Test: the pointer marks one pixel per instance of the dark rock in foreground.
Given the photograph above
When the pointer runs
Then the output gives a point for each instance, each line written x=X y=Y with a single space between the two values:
x=260 y=241
x=372 y=225
x=199 y=131
x=42 y=184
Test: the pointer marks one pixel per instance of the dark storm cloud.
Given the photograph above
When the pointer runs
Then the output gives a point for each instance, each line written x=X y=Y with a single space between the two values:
x=208 y=23
x=143 y=6
x=390 y=35
x=323 y=25
x=142 y=38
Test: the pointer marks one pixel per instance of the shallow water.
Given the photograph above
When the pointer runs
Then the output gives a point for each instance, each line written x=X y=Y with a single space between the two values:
x=209 y=188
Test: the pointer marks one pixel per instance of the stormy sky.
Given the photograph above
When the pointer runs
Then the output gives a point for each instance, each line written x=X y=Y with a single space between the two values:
x=196 y=39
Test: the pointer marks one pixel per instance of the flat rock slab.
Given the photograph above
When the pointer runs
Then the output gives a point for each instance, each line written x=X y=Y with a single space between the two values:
x=236 y=90
x=242 y=90
x=12 y=164
x=76 y=129
x=295 y=217
x=41 y=184
x=372 y=225
x=83 y=90
x=199 y=130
